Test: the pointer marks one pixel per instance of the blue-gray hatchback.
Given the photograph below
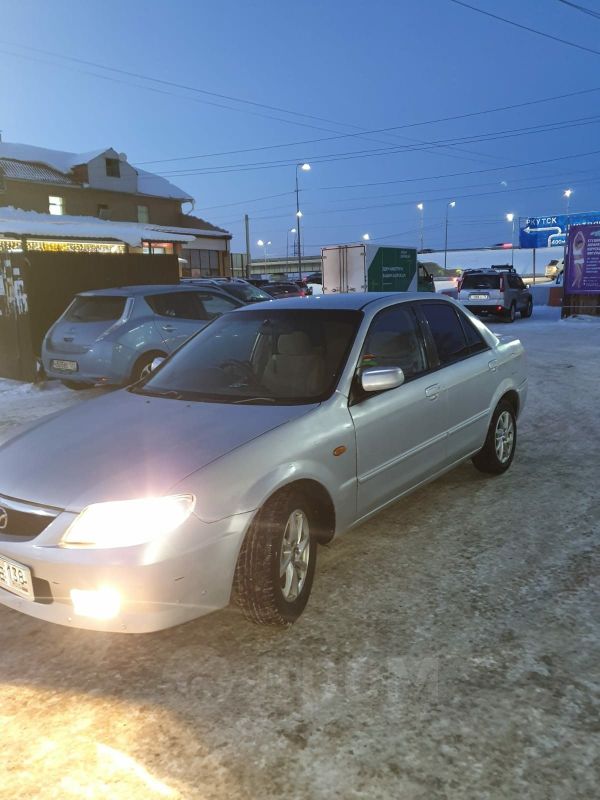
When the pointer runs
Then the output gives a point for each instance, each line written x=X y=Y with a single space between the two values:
x=111 y=336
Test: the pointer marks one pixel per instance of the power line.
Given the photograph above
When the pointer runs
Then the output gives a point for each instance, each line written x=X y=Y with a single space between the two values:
x=352 y=154
x=511 y=107
x=526 y=27
x=583 y=9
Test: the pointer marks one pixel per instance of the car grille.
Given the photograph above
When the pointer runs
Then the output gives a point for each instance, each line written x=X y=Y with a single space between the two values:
x=24 y=520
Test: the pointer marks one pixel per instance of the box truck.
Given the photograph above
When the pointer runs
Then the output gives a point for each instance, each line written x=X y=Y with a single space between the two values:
x=371 y=268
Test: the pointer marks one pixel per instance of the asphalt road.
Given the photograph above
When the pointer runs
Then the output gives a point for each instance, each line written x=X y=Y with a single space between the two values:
x=449 y=650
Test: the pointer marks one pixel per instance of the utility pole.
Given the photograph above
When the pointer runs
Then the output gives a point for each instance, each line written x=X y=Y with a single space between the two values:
x=248 y=256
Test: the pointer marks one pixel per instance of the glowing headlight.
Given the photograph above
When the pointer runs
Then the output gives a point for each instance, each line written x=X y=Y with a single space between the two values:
x=124 y=523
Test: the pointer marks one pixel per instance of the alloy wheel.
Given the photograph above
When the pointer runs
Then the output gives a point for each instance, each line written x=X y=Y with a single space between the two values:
x=504 y=437
x=295 y=555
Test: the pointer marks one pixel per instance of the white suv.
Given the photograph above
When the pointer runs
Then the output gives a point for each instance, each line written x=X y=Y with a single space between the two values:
x=498 y=291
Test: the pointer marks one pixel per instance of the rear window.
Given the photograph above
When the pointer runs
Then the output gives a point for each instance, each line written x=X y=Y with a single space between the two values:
x=95 y=309
x=481 y=282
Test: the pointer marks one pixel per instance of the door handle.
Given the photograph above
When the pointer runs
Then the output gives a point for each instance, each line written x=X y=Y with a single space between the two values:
x=493 y=365
x=167 y=327
x=432 y=392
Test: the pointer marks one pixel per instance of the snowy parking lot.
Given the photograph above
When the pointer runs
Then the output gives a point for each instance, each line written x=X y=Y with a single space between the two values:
x=449 y=649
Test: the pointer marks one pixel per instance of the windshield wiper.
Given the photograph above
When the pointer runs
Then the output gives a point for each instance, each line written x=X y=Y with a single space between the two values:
x=254 y=400
x=169 y=393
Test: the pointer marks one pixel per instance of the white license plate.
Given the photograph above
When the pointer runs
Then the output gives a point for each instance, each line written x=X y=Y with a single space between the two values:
x=15 y=577
x=479 y=297
x=66 y=366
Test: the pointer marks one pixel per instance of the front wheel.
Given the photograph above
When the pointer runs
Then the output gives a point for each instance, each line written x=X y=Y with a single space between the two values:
x=276 y=565
x=497 y=454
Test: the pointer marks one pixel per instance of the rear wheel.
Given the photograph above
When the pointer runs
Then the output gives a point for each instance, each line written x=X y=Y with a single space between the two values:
x=528 y=310
x=276 y=565
x=496 y=455
x=143 y=366
x=512 y=312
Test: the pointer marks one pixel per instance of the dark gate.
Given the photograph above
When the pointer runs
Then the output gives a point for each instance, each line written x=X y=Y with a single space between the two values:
x=37 y=287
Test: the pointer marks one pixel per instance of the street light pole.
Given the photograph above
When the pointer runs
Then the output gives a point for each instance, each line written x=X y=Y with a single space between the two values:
x=449 y=205
x=264 y=245
x=567 y=194
x=421 y=208
x=305 y=168
x=511 y=218
x=287 y=246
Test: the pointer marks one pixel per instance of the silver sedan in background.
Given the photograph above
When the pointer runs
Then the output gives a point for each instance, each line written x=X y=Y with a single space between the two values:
x=274 y=429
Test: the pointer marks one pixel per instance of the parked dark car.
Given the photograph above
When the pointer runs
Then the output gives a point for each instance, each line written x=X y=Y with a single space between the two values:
x=279 y=290
x=238 y=288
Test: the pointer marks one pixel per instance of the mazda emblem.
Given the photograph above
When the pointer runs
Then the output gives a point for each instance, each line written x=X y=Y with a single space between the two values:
x=3 y=518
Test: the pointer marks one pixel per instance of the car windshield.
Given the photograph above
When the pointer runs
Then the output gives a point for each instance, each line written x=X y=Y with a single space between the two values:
x=264 y=357
x=89 y=308
x=247 y=293
x=481 y=282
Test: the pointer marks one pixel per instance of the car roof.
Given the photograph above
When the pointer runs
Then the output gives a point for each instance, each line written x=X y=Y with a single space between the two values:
x=347 y=301
x=136 y=291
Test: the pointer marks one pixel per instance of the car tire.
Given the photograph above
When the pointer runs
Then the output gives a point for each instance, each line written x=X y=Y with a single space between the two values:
x=512 y=312
x=528 y=310
x=76 y=386
x=270 y=587
x=497 y=454
x=141 y=368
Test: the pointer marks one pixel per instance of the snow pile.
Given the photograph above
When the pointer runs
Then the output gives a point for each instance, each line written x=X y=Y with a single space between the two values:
x=17 y=222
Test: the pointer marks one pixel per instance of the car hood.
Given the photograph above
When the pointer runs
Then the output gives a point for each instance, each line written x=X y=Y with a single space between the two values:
x=126 y=445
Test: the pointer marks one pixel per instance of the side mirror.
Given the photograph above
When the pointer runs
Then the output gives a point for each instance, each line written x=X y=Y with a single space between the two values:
x=379 y=379
x=156 y=362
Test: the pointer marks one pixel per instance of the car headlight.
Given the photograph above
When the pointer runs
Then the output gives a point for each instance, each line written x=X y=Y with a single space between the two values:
x=124 y=523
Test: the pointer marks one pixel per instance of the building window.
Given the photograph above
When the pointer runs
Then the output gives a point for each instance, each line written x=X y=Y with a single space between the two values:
x=56 y=205
x=103 y=211
x=113 y=167
x=143 y=214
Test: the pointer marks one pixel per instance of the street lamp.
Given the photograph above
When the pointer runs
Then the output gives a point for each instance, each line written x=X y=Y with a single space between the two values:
x=305 y=168
x=366 y=237
x=511 y=218
x=264 y=245
x=451 y=204
x=421 y=208
x=287 y=245
x=567 y=194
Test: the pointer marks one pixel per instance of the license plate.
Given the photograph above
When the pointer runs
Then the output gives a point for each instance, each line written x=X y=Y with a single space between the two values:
x=65 y=366
x=15 y=577
x=479 y=297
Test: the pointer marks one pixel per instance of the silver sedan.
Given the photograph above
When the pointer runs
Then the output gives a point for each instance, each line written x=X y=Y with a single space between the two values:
x=272 y=430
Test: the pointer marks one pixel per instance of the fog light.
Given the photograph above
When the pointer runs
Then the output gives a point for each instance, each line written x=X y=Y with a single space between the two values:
x=98 y=603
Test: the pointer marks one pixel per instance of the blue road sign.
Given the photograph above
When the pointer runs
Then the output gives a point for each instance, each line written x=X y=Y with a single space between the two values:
x=551 y=231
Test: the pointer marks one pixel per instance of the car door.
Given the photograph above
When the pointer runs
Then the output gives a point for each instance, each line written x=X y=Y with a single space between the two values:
x=467 y=369
x=181 y=314
x=400 y=433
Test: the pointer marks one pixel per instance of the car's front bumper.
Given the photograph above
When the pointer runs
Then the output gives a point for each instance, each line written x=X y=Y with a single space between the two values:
x=159 y=584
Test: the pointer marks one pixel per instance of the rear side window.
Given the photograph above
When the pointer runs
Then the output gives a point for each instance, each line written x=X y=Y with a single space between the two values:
x=447 y=332
x=474 y=339
x=394 y=340
x=95 y=309
x=481 y=282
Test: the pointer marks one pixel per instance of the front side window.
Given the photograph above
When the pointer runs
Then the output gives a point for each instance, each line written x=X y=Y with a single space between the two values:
x=394 y=340
x=247 y=293
x=56 y=205
x=143 y=214
x=180 y=305
x=113 y=167
x=216 y=304
x=265 y=357
x=447 y=332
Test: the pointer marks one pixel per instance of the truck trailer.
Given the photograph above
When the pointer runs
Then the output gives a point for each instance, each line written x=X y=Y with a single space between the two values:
x=372 y=268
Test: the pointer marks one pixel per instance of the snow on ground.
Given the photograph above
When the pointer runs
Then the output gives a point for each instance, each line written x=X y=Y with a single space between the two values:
x=449 y=650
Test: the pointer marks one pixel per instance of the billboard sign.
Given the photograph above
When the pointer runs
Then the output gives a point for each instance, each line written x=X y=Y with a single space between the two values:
x=551 y=231
x=582 y=272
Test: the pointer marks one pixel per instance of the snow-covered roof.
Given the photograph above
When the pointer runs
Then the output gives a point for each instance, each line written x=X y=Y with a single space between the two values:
x=16 y=222
x=40 y=173
x=64 y=162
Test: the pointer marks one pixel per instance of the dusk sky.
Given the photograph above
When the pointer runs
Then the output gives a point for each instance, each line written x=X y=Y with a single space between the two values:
x=313 y=71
